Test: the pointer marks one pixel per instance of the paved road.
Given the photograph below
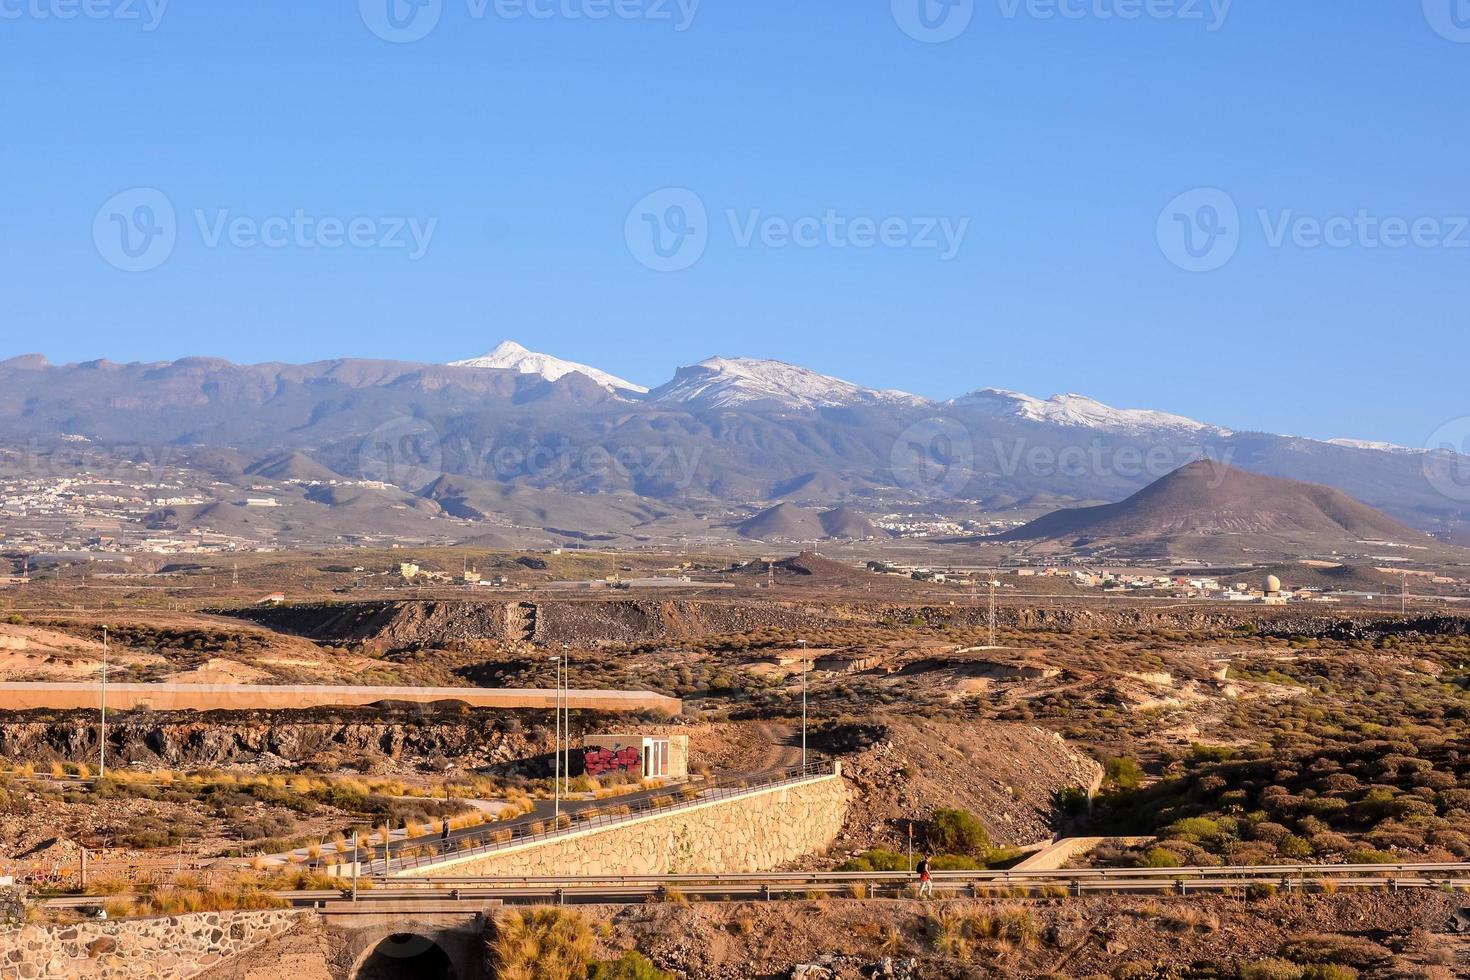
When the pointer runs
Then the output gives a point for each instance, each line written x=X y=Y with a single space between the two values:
x=799 y=886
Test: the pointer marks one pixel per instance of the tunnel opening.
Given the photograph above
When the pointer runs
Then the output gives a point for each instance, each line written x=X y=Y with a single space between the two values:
x=406 y=956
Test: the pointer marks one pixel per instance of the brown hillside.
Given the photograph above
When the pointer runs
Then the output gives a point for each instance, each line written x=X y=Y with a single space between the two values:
x=1241 y=510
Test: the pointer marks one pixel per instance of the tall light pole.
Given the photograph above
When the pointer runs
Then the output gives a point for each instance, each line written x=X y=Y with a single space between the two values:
x=566 y=666
x=805 y=669
x=102 y=742
x=556 y=749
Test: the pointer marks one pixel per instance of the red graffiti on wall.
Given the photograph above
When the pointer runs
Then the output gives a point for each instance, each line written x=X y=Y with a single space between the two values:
x=599 y=760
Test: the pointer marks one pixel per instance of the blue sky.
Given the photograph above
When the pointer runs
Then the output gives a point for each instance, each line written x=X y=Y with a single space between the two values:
x=1050 y=146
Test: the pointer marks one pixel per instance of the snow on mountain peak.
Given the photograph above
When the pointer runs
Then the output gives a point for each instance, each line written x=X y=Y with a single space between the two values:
x=1382 y=447
x=747 y=382
x=1079 y=410
x=511 y=356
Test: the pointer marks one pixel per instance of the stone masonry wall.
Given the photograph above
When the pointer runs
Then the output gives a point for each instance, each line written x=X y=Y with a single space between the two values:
x=164 y=948
x=750 y=833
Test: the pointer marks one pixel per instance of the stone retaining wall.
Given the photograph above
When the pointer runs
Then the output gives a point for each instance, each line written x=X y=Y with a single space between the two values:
x=164 y=948
x=758 y=832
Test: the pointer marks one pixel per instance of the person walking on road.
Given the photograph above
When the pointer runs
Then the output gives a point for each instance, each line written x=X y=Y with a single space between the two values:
x=926 y=878
x=444 y=835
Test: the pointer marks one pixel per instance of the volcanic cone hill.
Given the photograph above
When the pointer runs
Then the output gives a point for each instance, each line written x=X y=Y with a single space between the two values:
x=1208 y=508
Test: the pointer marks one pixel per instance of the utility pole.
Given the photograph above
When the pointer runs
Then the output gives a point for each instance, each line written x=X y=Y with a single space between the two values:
x=1404 y=598
x=102 y=742
x=356 y=863
x=805 y=669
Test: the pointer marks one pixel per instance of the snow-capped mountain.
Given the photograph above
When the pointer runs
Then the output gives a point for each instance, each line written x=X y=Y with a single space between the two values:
x=1382 y=447
x=1079 y=410
x=750 y=383
x=511 y=356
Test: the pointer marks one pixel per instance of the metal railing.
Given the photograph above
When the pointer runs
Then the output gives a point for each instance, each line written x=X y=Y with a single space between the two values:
x=490 y=839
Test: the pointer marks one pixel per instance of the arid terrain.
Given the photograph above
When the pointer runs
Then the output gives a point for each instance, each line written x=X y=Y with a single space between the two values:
x=1203 y=733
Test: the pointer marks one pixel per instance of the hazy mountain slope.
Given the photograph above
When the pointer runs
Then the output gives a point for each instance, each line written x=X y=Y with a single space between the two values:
x=732 y=433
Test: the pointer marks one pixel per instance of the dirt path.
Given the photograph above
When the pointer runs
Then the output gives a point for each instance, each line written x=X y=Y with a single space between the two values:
x=783 y=746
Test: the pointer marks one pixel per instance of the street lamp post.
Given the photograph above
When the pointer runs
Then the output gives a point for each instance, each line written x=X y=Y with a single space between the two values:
x=102 y=741
x=556 y=748
x=805 y=669
x=566 y=667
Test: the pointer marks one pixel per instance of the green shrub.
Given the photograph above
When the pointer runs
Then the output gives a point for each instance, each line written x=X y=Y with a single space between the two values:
x=1271 y=970
x=632 y=965
x=959 y=832
x=1123 y=773
x=1159 y=857
x=1294 y=847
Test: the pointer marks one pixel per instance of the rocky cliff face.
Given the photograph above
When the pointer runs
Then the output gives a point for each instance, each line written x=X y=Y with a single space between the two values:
x=419 y=624
x=192 y=740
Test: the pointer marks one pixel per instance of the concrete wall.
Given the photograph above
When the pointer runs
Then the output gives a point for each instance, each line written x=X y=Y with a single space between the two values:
x=758 y=832
x=165 y=948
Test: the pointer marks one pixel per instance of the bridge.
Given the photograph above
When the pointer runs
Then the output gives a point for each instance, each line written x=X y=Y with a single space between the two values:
x=436 y=928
